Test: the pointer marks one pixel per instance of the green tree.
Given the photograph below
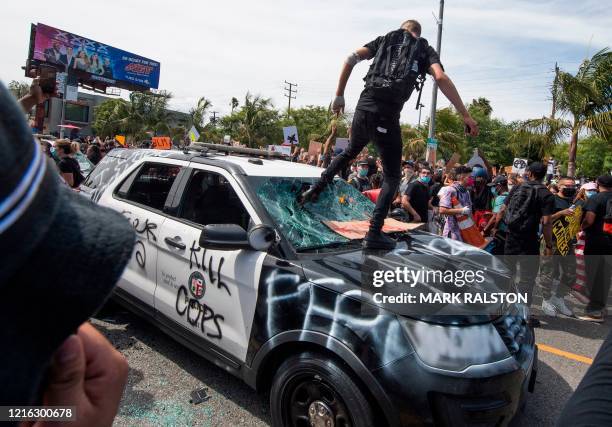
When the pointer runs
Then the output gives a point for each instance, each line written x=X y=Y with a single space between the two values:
x=586 y=98
x=594 y=157
x=108 y=116
x=234 y=103
x=198 y=113
x=143 y=115
x=19 y=89
x=259 y=120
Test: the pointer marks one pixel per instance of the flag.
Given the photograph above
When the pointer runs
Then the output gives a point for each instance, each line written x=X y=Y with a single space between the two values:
x=193 y=134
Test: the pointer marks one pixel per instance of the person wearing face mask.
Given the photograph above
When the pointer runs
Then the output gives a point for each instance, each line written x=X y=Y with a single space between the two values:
x=361 y=181
x=408 y=176
x=416 y=200
x=481 y=196
x=455 y=202
x=528 y=205
x=558 y=273
x=496 y=225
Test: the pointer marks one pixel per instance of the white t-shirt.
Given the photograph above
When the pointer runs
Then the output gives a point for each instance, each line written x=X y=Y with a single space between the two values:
x=550 y=169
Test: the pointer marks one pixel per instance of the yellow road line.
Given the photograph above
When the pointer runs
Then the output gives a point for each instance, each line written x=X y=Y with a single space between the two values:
x=566 y=354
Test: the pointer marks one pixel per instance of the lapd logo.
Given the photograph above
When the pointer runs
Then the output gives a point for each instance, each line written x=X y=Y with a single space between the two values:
x=197 y=285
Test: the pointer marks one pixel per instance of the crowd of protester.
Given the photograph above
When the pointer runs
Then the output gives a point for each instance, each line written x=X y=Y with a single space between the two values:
x=510 y=215
x=506 y=214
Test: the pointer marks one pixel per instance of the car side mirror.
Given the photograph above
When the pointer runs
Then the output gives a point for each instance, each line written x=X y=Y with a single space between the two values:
x=261 y=237
x=231 y=237
x=224 y=237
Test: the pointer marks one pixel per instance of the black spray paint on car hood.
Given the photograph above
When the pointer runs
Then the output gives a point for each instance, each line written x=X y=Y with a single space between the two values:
x=355 y=270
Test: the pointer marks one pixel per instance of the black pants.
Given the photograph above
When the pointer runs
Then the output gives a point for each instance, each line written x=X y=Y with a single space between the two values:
x=598 y=268
x=522 y=253
x=385 y=133
x=558 y=267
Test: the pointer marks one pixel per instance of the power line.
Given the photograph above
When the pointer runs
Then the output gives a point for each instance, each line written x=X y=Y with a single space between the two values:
x=290 y=93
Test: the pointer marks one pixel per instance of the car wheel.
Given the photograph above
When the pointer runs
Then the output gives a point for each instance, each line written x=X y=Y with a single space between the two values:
x=312 y=390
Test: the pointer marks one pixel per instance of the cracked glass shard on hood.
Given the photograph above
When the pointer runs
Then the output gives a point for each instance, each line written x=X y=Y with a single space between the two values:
x=303 y=226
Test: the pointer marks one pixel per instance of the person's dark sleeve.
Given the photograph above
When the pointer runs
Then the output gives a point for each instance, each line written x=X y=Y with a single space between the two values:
x=374 y=44
x=507 y=201
x=548 y=204
x=65 y=167
x=431 y=57
x=591 y=403
x=409 y=190
x=591 y=204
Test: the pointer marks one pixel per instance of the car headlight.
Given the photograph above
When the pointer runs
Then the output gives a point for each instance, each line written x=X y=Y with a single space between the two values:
x=455 y=348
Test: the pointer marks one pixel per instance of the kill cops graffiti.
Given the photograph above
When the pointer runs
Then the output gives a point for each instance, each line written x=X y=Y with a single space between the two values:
x=193 y=259
x=198 y=313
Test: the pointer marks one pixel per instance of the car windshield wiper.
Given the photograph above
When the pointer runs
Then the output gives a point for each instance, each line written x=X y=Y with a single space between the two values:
x=331 y=245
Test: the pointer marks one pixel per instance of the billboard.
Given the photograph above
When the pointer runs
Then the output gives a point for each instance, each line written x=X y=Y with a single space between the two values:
x=99 y=62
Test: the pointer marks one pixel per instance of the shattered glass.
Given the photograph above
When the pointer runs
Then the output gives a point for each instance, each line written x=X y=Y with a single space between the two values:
x=303 y=226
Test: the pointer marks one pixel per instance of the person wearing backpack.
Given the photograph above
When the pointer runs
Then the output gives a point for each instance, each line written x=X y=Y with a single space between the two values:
x=597 y=226
x=401 y=60
x=527 y=205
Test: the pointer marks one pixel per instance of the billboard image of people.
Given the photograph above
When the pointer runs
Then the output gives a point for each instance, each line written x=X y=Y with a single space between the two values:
x=105 y=63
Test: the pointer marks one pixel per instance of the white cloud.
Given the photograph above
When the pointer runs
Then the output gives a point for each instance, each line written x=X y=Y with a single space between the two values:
x=498 y=49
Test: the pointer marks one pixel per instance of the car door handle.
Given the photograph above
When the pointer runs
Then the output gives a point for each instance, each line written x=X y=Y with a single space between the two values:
x=176 y=242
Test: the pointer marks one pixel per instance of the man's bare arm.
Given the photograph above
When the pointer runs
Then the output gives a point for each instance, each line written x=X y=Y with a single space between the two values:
x=589 y=219
x=450 y=91
x=338 y=105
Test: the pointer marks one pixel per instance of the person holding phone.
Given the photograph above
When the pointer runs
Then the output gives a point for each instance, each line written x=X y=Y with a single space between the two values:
x=401 y=59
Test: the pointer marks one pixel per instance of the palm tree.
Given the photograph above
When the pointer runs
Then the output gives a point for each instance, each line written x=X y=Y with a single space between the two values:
x=234 y=103
x=587 y=98
x=255 y=111
x=198 y=113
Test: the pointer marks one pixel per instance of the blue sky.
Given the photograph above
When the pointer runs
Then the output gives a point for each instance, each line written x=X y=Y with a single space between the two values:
x=502 y=50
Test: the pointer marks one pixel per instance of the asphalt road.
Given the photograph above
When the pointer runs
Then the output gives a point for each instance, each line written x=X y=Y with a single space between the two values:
x=163 y=374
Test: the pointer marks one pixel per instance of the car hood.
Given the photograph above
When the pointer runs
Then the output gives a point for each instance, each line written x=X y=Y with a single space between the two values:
x=354 y=273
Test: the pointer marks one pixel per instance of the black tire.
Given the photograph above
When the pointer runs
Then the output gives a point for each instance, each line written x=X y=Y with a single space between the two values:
x=305 y=378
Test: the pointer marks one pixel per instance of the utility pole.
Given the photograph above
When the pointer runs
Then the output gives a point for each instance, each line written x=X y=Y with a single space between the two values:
x=213 y=119
x=430 y=154
x=290 y=93
x=554 y=92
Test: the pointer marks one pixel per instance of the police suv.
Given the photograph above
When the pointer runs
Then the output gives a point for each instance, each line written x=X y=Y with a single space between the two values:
x=231 y=266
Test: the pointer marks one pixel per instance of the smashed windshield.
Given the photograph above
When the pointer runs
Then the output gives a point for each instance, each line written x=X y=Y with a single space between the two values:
x=303 y=226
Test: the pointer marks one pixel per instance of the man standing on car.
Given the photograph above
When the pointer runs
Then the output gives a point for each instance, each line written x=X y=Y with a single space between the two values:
x=400 y=57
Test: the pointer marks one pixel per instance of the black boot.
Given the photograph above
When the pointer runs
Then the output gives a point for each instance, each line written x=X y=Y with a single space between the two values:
x=311 y=195
x=376 y=239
